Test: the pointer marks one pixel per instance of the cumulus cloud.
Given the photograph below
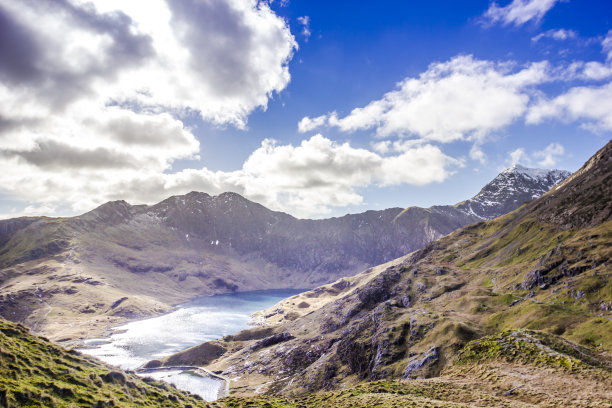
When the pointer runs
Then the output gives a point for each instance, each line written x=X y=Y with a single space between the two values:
x=93 y=94
x=462 y=99
x=476 y=153
x=518 y=156
x=549 y=156
x=546 y=158
x=559 y=35
x=590 y=105
x=518 y=12
x=219 y=58
x=307 y=124
x=307 y=180
x=30 y=210
x=593 y=70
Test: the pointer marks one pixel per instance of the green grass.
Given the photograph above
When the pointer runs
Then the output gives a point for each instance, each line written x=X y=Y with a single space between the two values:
x=382 y=394
x=35 y=372
x=529 y=347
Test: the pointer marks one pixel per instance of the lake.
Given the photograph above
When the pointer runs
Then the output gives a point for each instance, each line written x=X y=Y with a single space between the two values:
x=203 y=319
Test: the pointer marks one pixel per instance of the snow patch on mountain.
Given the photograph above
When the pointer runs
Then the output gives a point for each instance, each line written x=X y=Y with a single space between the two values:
x=510 y=189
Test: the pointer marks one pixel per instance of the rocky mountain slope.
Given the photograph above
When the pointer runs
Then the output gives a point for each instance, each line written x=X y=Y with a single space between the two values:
x=510 y=189
x=36 y=372
x=524 y=299
x=82 y=274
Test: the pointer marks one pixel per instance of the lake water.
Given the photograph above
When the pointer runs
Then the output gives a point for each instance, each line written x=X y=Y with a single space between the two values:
x=204 y=319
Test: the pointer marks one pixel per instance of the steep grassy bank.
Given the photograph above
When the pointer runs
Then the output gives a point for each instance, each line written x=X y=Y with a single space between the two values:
x=35 y=372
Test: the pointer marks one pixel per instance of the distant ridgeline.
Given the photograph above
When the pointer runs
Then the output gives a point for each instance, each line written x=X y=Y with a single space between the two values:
x=121 y=261
x=504 y=312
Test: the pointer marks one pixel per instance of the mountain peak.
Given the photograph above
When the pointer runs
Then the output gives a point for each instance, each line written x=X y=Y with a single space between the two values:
x=536 y=173
x=111 y=212
x=511 y=188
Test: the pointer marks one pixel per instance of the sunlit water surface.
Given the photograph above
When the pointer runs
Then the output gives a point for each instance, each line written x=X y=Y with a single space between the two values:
x=204 y=319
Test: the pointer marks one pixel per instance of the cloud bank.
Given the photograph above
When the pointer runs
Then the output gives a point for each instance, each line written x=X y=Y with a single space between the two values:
x=308 y=179
x=462 y=99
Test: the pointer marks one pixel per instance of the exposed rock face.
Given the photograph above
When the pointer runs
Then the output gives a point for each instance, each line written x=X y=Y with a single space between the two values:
x=430 y=357
x=510 y=189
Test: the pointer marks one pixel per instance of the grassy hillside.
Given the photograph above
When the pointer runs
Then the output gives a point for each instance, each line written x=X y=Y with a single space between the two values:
x=497 y=292
x=35 y=372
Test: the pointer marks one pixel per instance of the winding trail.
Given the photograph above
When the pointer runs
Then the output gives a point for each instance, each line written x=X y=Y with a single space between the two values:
x=49 y=308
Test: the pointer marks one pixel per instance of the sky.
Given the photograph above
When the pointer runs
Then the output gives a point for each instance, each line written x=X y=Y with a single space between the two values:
x=315 y=108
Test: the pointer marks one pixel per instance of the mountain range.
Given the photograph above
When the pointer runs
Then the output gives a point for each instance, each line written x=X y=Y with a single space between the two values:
x=509 y=312
x=524 y=300
x=78 y=276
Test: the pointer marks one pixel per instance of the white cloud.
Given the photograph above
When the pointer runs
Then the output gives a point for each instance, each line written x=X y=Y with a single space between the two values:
x=591 y=105
x=593 y=70
x=382 y=147
x=596 y=71
x=559 y=35
x=518 y=12
x=305 y=22
x=307 y=124
x=93 y=93
x=549 y=156
x=545 y=158
x=476 y=153
x=30 y=210
x=518 y=156
x=221 y=58
x=462 y=99
x=305 y=180
x=319 y=174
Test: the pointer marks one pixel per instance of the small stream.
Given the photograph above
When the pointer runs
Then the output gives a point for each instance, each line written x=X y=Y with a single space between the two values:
x=203 y=319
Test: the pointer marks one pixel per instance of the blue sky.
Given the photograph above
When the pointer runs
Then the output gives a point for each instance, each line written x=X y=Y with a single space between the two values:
x=314 y=108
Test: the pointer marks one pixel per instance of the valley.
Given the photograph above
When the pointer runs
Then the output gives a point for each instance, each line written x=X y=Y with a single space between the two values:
x=305 y=204
x=526 y=292
x=502 y=312
x=75 y=278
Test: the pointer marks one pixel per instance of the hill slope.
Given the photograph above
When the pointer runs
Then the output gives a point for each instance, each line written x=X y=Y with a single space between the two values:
x=35 y=372
x=543 y=267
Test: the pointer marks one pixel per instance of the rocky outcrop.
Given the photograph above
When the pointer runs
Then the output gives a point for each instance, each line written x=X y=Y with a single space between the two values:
x=421 y=363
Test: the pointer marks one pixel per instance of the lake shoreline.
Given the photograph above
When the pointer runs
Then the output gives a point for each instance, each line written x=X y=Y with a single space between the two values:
x=105 y=330
x=131 y=345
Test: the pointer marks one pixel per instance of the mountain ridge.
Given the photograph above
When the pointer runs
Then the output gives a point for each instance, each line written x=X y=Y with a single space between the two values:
x=544 y=266
x=192 y=245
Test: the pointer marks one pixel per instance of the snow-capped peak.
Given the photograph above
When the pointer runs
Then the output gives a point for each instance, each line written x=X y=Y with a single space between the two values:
x=512 y=187
x=537 y=174
x=533 y=173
